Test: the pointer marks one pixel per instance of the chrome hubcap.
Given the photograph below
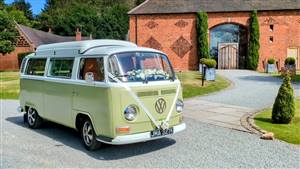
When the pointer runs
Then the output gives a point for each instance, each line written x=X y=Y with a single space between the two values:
x=31 y=116
x=87 y=133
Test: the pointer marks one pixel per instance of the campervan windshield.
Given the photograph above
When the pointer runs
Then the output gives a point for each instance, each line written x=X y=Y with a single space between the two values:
x=140 y=67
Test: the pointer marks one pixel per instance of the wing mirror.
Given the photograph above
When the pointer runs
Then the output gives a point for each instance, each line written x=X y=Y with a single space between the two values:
x=89 y=77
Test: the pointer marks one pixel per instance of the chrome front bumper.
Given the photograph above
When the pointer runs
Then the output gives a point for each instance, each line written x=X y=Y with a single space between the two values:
x=141 y=137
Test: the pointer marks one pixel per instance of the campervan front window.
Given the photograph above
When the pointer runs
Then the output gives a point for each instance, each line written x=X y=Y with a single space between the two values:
x=140 y=67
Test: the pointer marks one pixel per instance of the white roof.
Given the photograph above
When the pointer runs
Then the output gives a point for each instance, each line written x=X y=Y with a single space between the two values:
x=118 y=49
x=82 y=46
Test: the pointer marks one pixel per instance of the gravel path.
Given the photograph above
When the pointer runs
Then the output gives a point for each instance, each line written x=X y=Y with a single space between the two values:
x=200 y=146
x=251 y=89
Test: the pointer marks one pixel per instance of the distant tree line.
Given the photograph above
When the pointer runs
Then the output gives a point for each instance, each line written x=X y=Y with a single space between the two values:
x=99 y=18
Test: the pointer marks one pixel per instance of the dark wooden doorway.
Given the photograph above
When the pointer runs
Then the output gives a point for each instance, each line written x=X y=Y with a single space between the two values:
x=228 y=56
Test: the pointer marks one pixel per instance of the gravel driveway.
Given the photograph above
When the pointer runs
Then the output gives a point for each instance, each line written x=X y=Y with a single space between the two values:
x=251 y=89
x=201 y=146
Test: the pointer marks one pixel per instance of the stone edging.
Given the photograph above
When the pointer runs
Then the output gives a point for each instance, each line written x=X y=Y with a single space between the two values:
x=247 y=121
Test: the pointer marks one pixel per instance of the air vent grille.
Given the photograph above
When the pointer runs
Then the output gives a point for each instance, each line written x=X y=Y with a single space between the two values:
x=170 y=91
x=148 y=93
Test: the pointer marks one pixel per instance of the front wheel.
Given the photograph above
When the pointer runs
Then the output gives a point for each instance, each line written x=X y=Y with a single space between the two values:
x=89 y=136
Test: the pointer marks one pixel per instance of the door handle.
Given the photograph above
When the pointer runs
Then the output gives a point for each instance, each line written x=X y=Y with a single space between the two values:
x=74 y=93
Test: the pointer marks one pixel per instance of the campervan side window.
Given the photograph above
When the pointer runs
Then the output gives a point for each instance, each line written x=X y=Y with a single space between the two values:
x=91 y=65
x=36 y=67
x=61 y=68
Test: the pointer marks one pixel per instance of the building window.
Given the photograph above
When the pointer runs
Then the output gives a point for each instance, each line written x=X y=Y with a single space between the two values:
x=271 y=39
x=271 y=28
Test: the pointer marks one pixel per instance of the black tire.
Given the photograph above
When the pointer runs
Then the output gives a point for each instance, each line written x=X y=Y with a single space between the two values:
x=88 y=136
x=33 y=119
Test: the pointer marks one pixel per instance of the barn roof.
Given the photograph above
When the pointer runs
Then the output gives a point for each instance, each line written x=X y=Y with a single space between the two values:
x=37 y=37
x=192 y=6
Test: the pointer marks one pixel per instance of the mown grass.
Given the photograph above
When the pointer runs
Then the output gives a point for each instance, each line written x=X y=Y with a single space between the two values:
x=9 y=85
x=192 y=84
x=286 y=132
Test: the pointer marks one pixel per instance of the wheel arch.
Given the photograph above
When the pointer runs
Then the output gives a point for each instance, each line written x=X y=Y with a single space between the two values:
x=80 y=117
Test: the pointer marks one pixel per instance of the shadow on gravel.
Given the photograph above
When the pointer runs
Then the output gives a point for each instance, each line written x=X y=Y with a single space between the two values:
x=70 y=137
x=263 y=79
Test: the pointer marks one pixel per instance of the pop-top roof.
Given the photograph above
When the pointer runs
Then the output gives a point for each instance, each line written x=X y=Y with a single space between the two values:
x=83 y=46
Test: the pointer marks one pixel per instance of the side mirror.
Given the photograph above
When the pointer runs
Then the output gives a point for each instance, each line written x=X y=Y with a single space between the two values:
x=89 y=77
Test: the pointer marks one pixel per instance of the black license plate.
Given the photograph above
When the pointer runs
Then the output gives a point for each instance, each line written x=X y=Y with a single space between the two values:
x=157 y=133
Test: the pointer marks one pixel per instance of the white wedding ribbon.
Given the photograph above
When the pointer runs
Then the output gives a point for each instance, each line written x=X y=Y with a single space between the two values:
x=164 y=124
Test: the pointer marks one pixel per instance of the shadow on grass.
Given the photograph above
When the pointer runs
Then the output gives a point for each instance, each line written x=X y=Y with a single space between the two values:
x=70 y=137
x=262 y=119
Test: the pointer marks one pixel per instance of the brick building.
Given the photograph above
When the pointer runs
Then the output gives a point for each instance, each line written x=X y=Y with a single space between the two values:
x=170 y=26
x=28 y=40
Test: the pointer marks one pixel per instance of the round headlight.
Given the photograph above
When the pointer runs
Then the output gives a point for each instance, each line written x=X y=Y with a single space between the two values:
x=130 y=113
x=179 y=105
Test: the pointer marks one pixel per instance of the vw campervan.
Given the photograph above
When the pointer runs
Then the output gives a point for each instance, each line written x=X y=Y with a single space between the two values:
x=111 y=91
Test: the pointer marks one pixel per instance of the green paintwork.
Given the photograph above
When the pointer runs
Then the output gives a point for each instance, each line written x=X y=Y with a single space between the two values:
x=61 y=102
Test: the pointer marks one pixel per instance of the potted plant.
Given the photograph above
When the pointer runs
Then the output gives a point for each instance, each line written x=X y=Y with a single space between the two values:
x=210 y=68
x=290 y=65
x=201 y=65
x=271 y=67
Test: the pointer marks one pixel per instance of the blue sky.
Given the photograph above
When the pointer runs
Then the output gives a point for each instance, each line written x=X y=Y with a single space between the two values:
x=36 y=5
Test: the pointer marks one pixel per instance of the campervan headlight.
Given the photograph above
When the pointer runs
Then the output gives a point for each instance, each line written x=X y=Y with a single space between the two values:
x=130 y=112
x=179 y=105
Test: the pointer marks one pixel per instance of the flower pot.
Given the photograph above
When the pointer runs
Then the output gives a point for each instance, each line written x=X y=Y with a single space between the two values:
x=201 y=67
x=210 y=74
x=271 y=68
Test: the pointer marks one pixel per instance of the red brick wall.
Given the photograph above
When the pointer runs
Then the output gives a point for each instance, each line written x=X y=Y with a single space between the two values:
x=161 y=32
x=10 y=61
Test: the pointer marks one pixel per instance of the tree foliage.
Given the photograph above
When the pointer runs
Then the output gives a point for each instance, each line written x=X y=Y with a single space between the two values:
x=202 y=29
x=253 y=48
x=101 y=18
x=8 y=33
x=24 y=6
x=284 y=106
x=113 y=23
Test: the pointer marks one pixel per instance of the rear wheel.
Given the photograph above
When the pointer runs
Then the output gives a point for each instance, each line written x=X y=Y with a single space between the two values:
x=33 y=119
x=89 y=136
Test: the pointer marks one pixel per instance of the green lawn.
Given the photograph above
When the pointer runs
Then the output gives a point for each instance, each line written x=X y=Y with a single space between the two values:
x=9 y=85
x=192 y=85
x=286 y=132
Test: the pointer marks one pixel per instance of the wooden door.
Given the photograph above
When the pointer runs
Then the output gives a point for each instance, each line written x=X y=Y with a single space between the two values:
x=294 y=52
x=228 y=56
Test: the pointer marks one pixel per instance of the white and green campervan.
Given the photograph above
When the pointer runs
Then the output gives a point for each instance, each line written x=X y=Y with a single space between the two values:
x=111 y=91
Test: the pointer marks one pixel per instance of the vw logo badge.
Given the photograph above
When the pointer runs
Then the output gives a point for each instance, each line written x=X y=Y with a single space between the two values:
x=160 y=105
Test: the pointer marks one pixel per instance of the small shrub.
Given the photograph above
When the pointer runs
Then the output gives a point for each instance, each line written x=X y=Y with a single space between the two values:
x=284 y=106
x=202 y=61
x=210 y=63
x=271 y=61
x=290 y=61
